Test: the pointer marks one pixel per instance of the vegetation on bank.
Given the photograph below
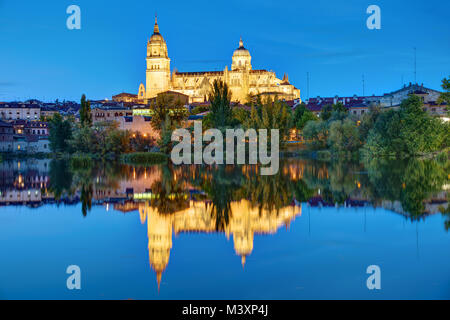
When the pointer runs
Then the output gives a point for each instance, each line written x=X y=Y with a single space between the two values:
x=144 y=158
x=408 y=131
x=102 y=140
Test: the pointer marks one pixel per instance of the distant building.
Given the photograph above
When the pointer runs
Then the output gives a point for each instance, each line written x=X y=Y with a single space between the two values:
x=30 y=128
x=48 y=110
x=141 y=124
x=356 y=105
x=125 y=97
x=6 y=136
x=359 y=105
x=19 y=110
x=395 y=98
x=109 y=112
x=24 y=136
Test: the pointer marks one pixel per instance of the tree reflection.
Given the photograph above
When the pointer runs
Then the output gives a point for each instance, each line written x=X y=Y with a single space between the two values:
x=60 y=178
x=415 y=184
x=409 y=181
x=170 y=194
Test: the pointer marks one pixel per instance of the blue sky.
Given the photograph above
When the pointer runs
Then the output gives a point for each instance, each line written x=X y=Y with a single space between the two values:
x=41 y=58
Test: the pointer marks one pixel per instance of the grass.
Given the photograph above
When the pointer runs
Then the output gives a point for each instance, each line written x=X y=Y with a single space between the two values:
x=80 y=161
x=144 y=158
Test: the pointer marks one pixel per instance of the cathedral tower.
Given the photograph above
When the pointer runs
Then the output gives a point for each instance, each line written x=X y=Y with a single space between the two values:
x=242 y=60
x=158 y=65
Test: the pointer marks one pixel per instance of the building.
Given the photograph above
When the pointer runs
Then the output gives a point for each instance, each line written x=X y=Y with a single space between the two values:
x=395 y=98
x=30 y=128
x=24 y=136
x=109 y=112
x=6 y=136
x=242 y=79
x=359 y=105
x=137 y=123
x=356 y=105
x=125 y=97
x=19 y=110
x=48 y=110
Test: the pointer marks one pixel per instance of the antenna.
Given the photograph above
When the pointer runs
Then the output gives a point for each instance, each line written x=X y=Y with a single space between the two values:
x=415 y=65
x=307 y=85
x=363 y=85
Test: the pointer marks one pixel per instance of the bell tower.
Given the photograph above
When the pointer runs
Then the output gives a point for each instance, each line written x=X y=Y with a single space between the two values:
x=158 y=65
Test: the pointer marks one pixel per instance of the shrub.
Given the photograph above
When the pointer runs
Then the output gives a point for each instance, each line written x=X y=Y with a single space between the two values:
x=144 y=158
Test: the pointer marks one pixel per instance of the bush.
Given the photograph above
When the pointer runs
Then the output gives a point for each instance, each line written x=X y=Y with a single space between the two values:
x=442 y=157
x=144 y=158
x=80 y=161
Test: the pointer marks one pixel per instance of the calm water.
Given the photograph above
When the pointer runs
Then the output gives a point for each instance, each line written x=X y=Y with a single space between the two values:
x=225 y=232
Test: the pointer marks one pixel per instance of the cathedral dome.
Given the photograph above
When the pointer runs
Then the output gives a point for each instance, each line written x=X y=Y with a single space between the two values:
x=241 y=59
x=241 y=51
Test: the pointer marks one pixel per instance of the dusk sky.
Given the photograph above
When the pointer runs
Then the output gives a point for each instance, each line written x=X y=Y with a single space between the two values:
x=40 y=58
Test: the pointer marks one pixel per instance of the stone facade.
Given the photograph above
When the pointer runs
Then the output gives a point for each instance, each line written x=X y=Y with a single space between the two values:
x=17 y=111
x=242 y=80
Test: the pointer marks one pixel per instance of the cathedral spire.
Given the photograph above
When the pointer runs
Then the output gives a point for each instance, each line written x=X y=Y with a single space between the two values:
x=156 y=28
x=158 y=278
x=241 y=43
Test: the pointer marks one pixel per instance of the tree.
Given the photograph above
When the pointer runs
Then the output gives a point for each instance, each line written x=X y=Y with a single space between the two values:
x=306 y=117
x=220 y=98
x=165 y=141
x=85 y=112
x=344 y=136
x=445 y=96
x=271 y=115
x=325 y=113
x=406 y=132
x=240 y=116
x=84 y=141
x=317 y=133
x=165 y=105
x=60 y=133
x=339 y=107
x=298 y=112
x=141 y=143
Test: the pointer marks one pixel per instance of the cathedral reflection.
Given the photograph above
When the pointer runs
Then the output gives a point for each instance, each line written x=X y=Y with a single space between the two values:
x=245 y=221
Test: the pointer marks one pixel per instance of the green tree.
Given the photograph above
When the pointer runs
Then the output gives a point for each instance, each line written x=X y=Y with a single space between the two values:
x=85 y=112
x=406 y=132
x=240 y=116
x=317 y=133
x=165 y=141
x=445 y=96
x=166 y=105
x=60 y=133
x=339 y=107
x=271 y=115
x=298 y=112
x=344 y=136
x=306 y=117
x=326 y=111
x=220 y=98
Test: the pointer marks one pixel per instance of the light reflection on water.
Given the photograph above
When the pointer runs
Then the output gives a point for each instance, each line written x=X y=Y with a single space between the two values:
x=225 y=232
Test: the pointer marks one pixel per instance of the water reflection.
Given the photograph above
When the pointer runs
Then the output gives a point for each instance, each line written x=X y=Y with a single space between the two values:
x=232 y=200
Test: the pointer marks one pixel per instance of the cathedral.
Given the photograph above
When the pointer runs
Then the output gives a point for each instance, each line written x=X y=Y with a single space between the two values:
x=242 y=80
